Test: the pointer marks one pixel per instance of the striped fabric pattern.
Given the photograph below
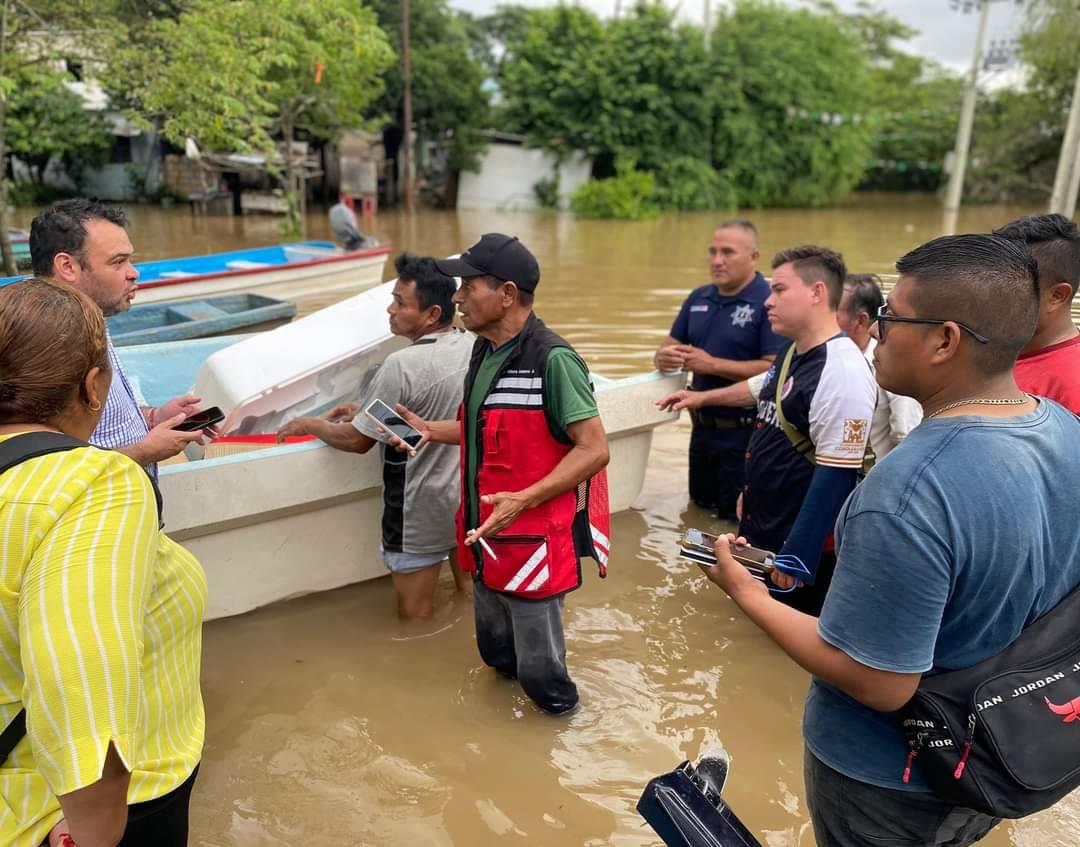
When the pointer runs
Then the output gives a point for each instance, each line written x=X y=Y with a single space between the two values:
x=122 y=422
x=104 y=614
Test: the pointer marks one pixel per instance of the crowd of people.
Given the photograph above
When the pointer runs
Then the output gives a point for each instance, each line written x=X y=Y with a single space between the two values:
x=907 y=457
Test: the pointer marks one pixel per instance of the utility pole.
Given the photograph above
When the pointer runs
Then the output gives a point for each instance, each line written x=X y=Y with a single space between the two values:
x=406 y=141
x=1067 y=167
x=967 y=116
x=707 y=24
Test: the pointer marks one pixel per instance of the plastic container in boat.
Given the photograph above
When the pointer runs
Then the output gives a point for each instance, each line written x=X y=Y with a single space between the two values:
x=302 y=368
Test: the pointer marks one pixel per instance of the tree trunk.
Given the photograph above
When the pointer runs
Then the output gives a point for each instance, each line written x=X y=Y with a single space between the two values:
x=5 y=242
x=292 y=196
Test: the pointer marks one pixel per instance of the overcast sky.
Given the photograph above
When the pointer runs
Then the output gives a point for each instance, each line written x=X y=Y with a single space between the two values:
x=945 y=35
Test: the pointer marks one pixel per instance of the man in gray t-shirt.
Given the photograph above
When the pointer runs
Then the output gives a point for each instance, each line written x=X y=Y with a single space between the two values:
x=420 y=495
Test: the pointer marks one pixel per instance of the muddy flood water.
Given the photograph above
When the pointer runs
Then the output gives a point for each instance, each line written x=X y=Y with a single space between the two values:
x=331 y=723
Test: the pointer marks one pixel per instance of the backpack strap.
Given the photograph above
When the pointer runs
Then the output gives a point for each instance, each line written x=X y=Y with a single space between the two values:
x=802 y=443
x=15 y=451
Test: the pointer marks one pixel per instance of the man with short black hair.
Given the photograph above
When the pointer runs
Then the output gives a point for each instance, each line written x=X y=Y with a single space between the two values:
x=963 y=536
x=1049 y=366
x=814 y=413
x=85 y=244
x=532 y=446
x=419 y=497
x=722 y=336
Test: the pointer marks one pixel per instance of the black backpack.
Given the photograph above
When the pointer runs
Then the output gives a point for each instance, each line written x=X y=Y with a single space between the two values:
x=15 y=451
x=1003 y=736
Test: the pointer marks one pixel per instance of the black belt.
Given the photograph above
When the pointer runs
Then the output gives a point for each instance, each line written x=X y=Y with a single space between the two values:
x=711 y=422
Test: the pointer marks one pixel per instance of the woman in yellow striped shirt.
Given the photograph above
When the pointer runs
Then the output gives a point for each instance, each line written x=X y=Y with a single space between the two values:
x=100 y=612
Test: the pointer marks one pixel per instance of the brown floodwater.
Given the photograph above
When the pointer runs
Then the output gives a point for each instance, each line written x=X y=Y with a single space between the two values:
x=331 y=723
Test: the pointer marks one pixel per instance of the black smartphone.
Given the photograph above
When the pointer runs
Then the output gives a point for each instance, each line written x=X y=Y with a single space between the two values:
x=697 y=547
x=391 y=421
x=201 y=420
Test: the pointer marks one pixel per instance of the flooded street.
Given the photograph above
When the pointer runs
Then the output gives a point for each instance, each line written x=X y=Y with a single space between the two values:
x=329 y=722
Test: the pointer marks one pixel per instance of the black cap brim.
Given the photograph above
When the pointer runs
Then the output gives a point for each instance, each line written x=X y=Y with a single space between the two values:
x=457 y=267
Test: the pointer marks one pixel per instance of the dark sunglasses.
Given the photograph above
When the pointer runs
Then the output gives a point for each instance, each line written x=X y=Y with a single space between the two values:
x=883 y=316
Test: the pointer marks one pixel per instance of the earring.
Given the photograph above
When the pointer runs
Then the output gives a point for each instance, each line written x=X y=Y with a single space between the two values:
x=95 y=406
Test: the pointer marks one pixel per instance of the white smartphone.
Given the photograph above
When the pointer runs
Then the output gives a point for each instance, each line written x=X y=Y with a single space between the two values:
x=392 y=422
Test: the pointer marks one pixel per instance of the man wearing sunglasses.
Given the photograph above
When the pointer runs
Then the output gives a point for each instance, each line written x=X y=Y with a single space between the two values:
x=961 y=537
x=1050 y=364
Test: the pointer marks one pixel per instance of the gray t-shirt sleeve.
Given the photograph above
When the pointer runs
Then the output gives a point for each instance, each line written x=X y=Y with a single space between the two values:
x=387 y=385
x=888 y=594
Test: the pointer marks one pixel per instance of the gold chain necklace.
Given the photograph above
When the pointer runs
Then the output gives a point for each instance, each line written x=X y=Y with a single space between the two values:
x=980 y=402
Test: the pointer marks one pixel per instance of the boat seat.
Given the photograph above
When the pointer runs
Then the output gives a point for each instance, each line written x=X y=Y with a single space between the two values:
x=197 y=310
x=245 y=265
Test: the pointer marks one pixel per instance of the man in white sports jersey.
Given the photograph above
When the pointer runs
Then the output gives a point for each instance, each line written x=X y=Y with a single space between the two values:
x=814 y=414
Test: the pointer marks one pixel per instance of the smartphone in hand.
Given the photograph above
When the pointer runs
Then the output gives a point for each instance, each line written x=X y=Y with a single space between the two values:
x=392 y=422
x=698 y=547
x=201 y=420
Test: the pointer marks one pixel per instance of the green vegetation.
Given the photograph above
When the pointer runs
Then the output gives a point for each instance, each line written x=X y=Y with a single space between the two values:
x=629 y=195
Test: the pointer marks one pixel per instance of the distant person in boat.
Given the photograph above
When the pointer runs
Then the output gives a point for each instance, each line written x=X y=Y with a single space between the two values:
x=419 y=496
x=345 y=228
x=532 y=449
x=100 y=651
x=1049 y=365
x=894 y=416
x=814 y=411
x=85 y=244
x=960 y=538
x=722 y=336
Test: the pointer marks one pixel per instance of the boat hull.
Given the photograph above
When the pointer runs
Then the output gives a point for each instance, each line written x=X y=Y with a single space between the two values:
x=294 y=520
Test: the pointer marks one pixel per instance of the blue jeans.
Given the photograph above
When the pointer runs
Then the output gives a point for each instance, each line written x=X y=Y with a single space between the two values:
x=849 y=813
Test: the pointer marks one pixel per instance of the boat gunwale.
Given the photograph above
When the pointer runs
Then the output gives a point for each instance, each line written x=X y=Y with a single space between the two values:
x=366 y=253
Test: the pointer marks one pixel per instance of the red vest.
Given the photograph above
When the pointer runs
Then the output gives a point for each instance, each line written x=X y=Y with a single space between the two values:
x=536 y=556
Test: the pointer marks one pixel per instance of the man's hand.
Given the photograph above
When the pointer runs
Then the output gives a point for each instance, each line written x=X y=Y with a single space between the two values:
x=669 y=359
x=508 y=505
x=164 y=442
x=417 y=423
x=187 y=406
x=297 y=426
x=729 y=574
x=343 y=413
x=784 y=581
x=679 y=400
x=697 y=360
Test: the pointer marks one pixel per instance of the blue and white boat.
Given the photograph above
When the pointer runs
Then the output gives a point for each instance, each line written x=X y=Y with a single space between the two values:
x=292 y=271
x=225 y=315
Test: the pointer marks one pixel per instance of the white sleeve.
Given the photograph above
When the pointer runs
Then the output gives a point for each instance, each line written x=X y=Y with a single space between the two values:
x=842 y=407
x=905 y=414
x=755 y=384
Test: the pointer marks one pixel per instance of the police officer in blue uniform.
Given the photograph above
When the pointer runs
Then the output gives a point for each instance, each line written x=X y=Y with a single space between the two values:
x=722 y=336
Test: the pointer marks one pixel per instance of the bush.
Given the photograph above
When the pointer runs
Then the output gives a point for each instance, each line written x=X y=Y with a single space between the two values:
x=692 y=185
x=630 y=195
x=547 y=192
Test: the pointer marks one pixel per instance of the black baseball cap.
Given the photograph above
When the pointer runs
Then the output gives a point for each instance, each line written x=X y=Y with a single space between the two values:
x=497 y=255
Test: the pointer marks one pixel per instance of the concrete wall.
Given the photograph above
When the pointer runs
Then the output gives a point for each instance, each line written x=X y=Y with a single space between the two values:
x=507 y=175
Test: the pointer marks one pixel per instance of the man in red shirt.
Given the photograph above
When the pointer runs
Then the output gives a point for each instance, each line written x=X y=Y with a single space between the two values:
x=1050 y=364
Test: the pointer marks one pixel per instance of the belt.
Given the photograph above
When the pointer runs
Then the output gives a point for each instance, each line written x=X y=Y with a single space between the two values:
x=745 y=421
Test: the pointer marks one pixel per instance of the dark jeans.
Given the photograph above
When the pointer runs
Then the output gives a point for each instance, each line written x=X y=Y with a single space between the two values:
x=717 y=462
x=162 y=822
x=523 y=640
x=849 y=813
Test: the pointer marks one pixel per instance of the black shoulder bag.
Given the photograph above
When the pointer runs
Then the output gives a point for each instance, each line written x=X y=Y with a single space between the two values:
x=1003 y=736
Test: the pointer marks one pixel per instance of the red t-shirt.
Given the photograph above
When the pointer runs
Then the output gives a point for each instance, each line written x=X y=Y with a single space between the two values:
x=1053 y=372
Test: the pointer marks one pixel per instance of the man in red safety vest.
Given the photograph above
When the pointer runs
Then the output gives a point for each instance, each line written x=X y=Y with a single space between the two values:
x=533 y=449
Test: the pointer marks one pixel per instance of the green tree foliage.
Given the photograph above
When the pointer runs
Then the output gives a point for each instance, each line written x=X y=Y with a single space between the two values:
x=449 y=103
x=691 y=185
x=1018 y=134
x=46 y=120
x=769 y=60
x=235 y=75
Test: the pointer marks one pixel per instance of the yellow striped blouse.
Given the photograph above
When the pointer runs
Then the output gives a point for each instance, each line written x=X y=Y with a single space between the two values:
x=100 y=636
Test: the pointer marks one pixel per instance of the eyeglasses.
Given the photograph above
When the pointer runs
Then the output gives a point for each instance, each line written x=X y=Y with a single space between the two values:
x=883 y=316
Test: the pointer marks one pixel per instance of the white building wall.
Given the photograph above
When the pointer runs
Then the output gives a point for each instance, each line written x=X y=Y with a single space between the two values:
x=507 y=175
